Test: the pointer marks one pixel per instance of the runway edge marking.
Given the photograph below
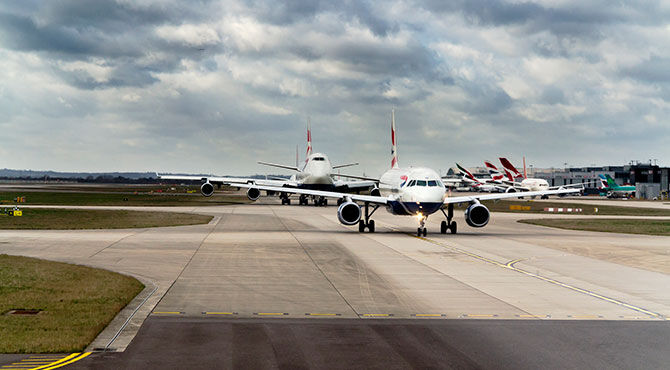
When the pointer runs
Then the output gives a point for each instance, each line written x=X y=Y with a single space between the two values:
x=510 y=266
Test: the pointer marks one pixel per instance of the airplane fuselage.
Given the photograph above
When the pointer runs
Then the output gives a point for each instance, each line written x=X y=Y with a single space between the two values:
x=414 y=191
x=317 y=173
x=535 y=184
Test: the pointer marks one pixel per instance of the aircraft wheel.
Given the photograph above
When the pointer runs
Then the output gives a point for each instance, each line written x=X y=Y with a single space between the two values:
x=288 y=201
x=453 y=227
x=425 y=231
x=544 y=197
x=418 y=231
x=339 y=201
x=371 y=226
x=443 y=227
x=361 y=226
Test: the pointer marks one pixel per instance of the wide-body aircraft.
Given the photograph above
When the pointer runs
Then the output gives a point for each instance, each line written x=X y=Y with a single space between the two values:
x=316 y=174
x=414 y=191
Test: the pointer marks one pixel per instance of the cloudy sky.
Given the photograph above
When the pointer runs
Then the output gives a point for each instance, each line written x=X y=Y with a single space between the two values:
x=214 y=86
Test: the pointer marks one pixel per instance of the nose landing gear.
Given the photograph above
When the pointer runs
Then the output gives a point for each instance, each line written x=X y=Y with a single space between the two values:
x=448 y=224
x=421 y=230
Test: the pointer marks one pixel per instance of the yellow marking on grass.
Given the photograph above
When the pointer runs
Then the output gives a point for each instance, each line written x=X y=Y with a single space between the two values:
x=510 y=266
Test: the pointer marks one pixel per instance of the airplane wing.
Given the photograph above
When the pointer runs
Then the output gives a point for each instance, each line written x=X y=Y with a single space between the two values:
x=364 y=184
x=294 y=168
x=472 y=198
x=228 y=180
x=356 y=177
x=318 y=193
x=345 y=165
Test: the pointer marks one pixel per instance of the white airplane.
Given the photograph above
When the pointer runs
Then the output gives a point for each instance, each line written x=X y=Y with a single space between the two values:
x=317 y=173
x=529 y=184
x=489 y=185
x=415 y=191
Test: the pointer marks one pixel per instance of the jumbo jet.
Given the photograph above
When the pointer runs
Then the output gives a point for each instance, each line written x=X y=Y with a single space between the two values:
x=414 y=191
x=315 y=174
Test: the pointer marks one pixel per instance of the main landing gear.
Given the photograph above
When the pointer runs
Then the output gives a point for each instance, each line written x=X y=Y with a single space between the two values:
x=285 y=199
x=318 y=201
x=368 y=223
x=448 y=224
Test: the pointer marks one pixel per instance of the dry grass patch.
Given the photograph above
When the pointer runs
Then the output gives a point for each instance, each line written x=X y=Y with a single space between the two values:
x=76 y=303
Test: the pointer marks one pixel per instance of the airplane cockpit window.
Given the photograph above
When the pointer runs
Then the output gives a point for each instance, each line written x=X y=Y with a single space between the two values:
x=318 y=159
x=411 y=183
x=432 y=183
x=420 y=182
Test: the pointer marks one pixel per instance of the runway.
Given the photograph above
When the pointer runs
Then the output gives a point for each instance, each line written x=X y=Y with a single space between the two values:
x=267 y=262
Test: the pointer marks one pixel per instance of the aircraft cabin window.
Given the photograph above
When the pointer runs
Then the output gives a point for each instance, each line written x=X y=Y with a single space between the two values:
x=432 y=183
x=420 y=182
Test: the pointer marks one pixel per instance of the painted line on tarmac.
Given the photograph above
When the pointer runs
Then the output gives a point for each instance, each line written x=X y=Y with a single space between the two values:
x=45 y=363
x=271 y=313
x=510 y=265
x=219 y=313
x=322 y=314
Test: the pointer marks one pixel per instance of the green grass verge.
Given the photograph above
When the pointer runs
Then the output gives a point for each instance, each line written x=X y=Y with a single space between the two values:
x=71 y=219
x=77 y=302
x=587 y=209
x=627 y=226
x=120 y=199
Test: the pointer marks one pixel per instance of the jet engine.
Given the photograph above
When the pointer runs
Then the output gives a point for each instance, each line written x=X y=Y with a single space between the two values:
x=477 y=215
x=253 y=193
x=349 y=213
x=375 y=192
x=511 y=189
x=207 y=189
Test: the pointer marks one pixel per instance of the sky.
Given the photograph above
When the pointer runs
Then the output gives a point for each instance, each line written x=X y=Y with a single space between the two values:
x=215 y=86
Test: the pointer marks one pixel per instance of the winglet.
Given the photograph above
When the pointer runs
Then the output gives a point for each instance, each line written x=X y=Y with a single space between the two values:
x=394 y=142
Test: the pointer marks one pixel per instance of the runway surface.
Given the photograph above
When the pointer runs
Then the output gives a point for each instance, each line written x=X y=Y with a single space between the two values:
x=583 y=295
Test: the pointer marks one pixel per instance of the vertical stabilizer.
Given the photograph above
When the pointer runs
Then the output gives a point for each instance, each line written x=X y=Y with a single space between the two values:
x=394 y=142
x=309 y=139
x=524 y=167
x=493 y=171
x=509 y=167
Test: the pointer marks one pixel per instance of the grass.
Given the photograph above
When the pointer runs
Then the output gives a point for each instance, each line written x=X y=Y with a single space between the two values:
x=587 y=209
x=627 y=226
x=115 y=198
x=70 y=219
x=77 y=302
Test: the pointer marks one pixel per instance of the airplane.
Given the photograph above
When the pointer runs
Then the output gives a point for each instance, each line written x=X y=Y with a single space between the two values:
x=414 y=191
x=528 y=184
x=487 y=185
x=316 y=173
x=615 y=190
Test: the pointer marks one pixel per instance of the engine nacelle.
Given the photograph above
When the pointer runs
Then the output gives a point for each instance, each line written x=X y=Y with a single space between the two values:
x=375 y=192
x=207 y=189
x=511 y=189
x=253 y=193
x=349 y=213
x=477 y=215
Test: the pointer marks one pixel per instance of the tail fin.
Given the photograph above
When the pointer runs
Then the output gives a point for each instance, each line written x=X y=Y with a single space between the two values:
x=467 y=173
x=493 y=171
x=611 y=182
x=603 y=182
x=524 y=167
x=394 y=142
x=309 y=139
x=509 y=167
x=509 y=175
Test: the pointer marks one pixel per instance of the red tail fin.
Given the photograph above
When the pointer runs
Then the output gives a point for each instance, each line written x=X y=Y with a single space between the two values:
x=309 y=140
x=509 y=167
x=394 y=143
